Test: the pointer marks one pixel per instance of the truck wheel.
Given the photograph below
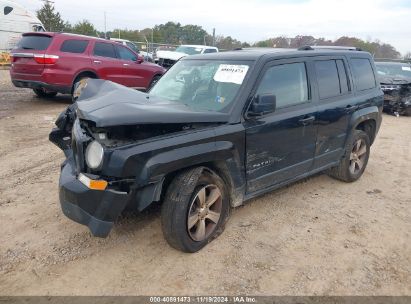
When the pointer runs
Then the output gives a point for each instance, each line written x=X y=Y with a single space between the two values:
x=79 y=85
x=153 y=82
x=195 y=209
x=42 y=93
x=355 y=160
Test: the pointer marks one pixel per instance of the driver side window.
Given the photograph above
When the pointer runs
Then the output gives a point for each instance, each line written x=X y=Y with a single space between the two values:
x=125 y=54
x=288 y=82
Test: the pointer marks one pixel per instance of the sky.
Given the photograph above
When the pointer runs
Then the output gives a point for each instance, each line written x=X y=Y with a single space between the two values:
x=251 y=21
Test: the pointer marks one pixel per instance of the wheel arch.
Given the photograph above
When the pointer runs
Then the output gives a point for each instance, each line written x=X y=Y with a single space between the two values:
x=84 y=73
x=220 y=159
x=367 y=120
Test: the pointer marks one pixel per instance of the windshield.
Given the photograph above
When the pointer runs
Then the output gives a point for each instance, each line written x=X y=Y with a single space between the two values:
x=209 y=85
x=189 y=50
x=394 y=70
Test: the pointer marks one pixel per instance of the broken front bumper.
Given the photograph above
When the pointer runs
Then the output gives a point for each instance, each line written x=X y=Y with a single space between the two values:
x=97 y=209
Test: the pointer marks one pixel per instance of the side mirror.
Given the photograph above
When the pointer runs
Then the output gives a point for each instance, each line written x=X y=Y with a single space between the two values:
x=140 y=59
x=262 y=104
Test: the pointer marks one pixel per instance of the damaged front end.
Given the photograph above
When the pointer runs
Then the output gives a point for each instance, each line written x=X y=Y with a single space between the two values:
x=101 y=135
x=397 y=97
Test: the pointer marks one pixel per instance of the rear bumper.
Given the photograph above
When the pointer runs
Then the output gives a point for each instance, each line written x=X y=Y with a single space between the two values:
x=41 y=85
x=94 y=208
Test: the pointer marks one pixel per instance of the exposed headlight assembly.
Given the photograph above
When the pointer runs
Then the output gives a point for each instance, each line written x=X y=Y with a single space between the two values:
x=94 y=155
x=390 y=87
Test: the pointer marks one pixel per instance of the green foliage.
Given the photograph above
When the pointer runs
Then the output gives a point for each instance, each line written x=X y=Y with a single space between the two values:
x=174 y=33
x=50 y=18
x=84 y=28
x=376 y=48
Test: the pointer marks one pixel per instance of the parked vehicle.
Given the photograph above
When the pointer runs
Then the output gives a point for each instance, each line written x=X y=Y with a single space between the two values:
x=395 y=80
x=51 y=63
x=147 y=56
x=214 y=132
x=14 y=21
x=168 y=58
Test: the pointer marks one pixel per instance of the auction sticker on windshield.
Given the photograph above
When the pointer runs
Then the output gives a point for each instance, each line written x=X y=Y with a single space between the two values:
x=233 y=73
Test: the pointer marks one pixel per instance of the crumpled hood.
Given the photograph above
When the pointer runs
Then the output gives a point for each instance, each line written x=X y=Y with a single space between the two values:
x=394 y=80
x=110 y=104
x=170 y=55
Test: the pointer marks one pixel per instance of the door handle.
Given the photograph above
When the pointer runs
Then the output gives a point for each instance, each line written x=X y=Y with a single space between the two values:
x=97 y=61
x=306 y=120
x=125 y=64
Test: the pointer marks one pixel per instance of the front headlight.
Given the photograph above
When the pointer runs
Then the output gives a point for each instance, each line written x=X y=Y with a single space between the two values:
x=94 y=155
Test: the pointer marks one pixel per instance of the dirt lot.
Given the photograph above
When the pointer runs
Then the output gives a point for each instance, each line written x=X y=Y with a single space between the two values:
x=316 y=237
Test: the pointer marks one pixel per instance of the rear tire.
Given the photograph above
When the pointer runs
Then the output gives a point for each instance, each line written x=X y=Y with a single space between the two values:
x=195 y=209
x=354 y=162
x=42 y=93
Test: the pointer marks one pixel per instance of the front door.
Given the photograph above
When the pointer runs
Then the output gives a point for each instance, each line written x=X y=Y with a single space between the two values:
x=132 y=70
x=281 y=145
x=105 y=62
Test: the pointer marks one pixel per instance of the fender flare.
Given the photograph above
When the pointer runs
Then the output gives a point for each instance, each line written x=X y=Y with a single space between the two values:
x=221 y=157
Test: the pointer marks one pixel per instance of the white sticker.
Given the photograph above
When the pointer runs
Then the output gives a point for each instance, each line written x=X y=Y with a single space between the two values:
x=405 y=68
x=231 y=73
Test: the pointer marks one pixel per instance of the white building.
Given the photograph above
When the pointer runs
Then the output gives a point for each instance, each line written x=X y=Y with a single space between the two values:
x=14 y=21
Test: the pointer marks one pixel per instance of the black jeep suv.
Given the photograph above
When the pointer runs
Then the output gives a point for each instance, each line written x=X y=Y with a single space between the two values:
x=214 y=132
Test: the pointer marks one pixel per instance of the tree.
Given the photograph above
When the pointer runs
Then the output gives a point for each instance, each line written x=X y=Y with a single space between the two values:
x=407 y=55
x=192 y=34
x=50 y=18
x=84 y=28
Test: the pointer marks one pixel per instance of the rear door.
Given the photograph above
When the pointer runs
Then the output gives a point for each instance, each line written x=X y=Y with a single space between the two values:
x=30 y=47
x=105 y=62
x=335 y=106
x=133 y=72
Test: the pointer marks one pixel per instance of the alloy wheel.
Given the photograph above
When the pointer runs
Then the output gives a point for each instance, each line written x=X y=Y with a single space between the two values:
x=204 y=213
x=358 y=156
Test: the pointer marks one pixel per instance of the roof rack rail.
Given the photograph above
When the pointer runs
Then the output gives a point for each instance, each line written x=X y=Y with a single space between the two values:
x=328 y=47
x=407 y=60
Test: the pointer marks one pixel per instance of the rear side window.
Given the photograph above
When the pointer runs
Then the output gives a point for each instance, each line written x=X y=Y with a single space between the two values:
x=74 y=46
x=342 y=72
x=328 y=80
x=38 y=43
x=364 y=75
x=288 y=82
x=104 y=50
x=210 y=51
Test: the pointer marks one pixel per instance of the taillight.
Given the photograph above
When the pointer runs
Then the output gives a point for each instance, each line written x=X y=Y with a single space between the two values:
x=46 y=59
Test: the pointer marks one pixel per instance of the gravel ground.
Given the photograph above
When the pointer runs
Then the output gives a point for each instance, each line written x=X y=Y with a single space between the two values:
x=316 y=237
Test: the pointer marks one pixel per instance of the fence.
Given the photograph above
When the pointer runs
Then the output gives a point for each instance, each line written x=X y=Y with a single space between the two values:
x=151 y=47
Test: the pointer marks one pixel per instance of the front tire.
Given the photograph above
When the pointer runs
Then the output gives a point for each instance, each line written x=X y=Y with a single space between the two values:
x=195 y=209
x=79 y=85
x=153 y=82
x=43 y=93
x=355 y=160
